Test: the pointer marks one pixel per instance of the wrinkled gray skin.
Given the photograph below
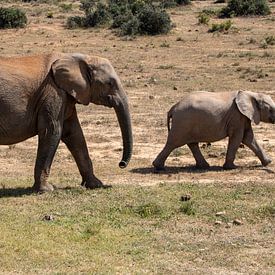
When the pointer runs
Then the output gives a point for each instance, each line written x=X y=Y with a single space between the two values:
x=38 y=96
x=209 y=117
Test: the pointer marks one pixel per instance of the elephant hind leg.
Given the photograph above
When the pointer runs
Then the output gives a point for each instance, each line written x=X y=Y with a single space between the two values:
x=201 y=163
x=158 y=163
x=233 y=145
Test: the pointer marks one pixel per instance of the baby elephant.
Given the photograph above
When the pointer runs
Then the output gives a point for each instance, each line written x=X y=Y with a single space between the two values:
x=209 y=117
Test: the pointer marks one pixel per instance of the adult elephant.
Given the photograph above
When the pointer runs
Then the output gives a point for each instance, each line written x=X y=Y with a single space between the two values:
x=38 y=96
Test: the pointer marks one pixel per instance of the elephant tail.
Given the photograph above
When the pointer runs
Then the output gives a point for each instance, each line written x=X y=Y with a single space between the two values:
x=169 y=116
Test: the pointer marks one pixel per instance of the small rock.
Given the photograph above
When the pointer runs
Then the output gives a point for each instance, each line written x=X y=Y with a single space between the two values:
x=228 y=225
x=48 y=218
x=221 y=213
x=186 y=197
x=218 y=223
x=175 y=88
x=237 y=222
x=152 y=80
x=151 y=97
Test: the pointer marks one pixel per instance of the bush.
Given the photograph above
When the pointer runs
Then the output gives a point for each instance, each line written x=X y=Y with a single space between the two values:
x=130 y=27
x=153 y=21
x=99 y=16
x=203 y=18
x=131 y=16
x=245 y=8
x=12 y=18
x=183 y=2
x=74 y=22
x=225 y=26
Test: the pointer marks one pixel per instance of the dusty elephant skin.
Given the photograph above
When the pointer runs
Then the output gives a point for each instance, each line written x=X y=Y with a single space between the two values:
x=209 y=117
x=38 y=96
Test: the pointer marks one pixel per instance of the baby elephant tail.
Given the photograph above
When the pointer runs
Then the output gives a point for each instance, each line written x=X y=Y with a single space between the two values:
x=169 y=116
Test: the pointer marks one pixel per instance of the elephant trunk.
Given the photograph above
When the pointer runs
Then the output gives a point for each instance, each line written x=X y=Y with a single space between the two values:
x=123 y=116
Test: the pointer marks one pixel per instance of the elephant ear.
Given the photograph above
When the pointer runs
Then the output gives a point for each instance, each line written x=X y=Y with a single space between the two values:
x=248 y=106
x=71 y=75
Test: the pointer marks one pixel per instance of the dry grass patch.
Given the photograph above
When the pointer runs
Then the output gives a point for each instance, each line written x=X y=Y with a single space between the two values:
x=135 y=229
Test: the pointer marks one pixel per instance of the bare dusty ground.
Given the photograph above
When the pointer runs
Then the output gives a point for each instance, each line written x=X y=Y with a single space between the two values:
x=156 y=73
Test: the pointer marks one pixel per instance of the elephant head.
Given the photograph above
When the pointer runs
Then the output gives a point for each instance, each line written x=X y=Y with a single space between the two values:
x=93 y=79
x=257 y=107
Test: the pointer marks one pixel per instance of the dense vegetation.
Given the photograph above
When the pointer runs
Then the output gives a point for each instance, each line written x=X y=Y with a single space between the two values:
x=12 y=18
x=245 y=8
x=130 y=17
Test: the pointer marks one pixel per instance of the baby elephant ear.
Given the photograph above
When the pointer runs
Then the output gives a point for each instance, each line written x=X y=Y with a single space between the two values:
x=71 y=75
x=248 y=105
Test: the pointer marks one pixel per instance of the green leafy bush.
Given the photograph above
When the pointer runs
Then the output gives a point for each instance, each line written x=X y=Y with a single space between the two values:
x=222 y=27
x=153 y=21
x=183 y=2
x=203 y=18
x=74 y=22
x=12 y=18
x=99 y=16
x=130 y=27
x=245 y=8
x=130 y=16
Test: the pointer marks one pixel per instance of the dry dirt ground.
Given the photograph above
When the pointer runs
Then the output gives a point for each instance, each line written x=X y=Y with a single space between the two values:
x=156 y=73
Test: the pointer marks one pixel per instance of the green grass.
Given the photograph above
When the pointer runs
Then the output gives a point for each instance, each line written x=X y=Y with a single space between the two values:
x=124 y=229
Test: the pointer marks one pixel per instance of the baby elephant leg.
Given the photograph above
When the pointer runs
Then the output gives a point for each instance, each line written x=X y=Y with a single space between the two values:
x=250 y=141
x=233 y=144
x=158 y=163
x=200 y=160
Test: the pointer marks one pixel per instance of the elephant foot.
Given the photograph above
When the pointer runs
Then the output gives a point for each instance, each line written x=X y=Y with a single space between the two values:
x=42 y=188
x=266 y=162
x=94 y=183
x=229 y=166
x=158 y=167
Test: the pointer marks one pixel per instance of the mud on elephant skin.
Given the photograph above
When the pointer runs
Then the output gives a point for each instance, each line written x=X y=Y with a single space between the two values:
x=38 y=96
x=209 y=117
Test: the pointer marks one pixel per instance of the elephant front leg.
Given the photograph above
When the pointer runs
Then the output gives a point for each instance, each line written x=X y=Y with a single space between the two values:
x=48 y=141
x=74 y=139
x=250 y=141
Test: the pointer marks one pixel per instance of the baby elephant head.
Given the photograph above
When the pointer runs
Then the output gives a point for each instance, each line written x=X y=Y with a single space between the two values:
x=93 y=79
x=257 y=107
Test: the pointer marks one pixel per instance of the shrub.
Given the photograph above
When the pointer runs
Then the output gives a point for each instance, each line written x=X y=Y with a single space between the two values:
x=245 y=8
x=131 y=16
x=153 y=20
x=99 y=16
x=183 y=2
x=12 y=18
x=203 y=18
x=130 y=27
x=74 y=22
x=222 y=27
x=166 y=4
